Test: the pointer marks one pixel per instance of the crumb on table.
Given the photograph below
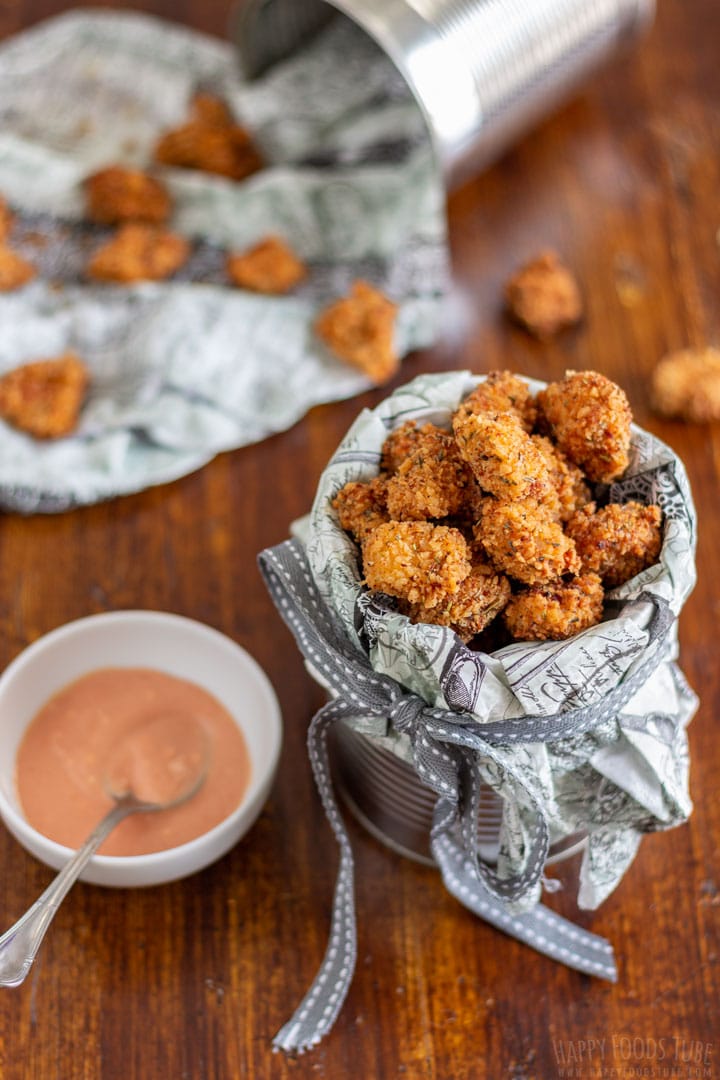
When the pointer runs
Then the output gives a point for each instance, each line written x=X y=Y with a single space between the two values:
x=543 y=296
x=686 y=385
x=43 y=398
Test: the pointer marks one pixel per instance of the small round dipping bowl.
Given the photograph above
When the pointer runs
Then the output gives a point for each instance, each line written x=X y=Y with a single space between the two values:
x=142 y=639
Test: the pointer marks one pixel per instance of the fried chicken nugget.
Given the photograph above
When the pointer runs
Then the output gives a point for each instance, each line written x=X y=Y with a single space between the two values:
x=502 y=392
x=555 y=611
x=567 y=480
x=44 y=398
x=543 y=296
x=480 y=597
x=400 y=444
x=505 y=460
x=686 y=385
x=590 y=418
x=523 y=539
x=618 y=541
x=14 y=270
x=415 y=560
x=271 y=266
x=361 y=507
x=117 y=194
x=6 y=220
x=432 y=482
x=210 y=141
x=359 y=329
x=139 y=253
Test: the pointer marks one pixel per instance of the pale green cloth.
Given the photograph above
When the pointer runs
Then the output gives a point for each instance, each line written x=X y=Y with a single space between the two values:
x=184 y=369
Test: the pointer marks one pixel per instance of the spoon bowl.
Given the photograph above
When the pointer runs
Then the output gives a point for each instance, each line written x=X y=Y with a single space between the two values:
x=176 y=774
x=169 y=643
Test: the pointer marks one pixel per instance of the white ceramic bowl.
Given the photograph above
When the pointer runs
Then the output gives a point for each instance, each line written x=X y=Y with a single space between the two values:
x=169 y=643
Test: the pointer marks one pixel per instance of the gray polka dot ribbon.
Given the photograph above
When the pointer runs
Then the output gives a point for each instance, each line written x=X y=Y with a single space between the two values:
x=446 y=749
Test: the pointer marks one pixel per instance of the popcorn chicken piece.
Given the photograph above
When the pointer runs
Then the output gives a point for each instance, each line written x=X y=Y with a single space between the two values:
x=523 y=540
x=544 y=296
x=210 y=110
x=686 y=385
x=359 y=329
x=480 y=597
x=361 y=507
x=618 y=541
x=415 y=560
x=6 y=220
x=139 y=253
x=14 y=270
x=270 y=266
x=502 y=392
x=505 y=460
x=590 y=418
x=432 y=482
x=210 y=141
x=555 y=611
x=400 y=444
x=568 y=480
x=44 y=398
x=117 y=194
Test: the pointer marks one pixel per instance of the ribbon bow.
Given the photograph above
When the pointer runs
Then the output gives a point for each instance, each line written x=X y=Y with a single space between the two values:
x=446 y=747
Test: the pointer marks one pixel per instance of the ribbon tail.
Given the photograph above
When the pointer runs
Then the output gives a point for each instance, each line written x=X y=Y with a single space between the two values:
x=540 y=928
x=318 y=1010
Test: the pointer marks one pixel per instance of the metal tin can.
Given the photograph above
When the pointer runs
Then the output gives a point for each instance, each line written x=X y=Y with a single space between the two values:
x=387 y=797
x=482 y=71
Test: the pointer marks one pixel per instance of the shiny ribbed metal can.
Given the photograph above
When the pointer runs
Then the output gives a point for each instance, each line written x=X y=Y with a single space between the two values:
x=482 y=71
x=388 y=798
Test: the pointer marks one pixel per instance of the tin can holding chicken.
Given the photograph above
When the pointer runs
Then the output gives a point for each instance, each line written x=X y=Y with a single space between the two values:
x=488 y=585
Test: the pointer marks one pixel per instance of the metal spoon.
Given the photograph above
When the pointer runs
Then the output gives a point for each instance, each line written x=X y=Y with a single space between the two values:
x=124 y=783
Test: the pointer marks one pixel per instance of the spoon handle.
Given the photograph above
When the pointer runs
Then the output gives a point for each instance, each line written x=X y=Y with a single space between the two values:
x=19 y=944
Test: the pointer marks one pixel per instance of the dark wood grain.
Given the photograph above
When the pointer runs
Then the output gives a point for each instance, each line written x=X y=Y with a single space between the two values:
x=192 y=979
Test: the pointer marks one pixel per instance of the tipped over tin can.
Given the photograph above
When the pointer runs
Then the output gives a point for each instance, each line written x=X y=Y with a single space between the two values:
x=482 y=71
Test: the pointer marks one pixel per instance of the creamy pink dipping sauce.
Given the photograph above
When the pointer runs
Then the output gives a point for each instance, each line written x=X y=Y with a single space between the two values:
x=71 y=743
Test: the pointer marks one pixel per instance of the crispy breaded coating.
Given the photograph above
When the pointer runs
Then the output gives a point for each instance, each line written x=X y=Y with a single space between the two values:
x=502 y=392
x=415 y=560
x=400 y=444
x=271 y=266
x=359 y=329
x=686 y=385
x=618 y=541
x=210 y=141
x=523 y=540
x=14 y=270
x=210 y=110
x=117 y=194
x=361 y=507
x=555 y=611
x=432 y=482
x=567 y=479
x=480 y=597
x=139 y=253
x=590 y=418
x=503 y=457
x=44 y=398
x=544 y=296
x=6 y=220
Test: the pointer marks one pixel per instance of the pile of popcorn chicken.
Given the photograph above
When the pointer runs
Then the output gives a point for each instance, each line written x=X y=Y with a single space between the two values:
x=496 y=517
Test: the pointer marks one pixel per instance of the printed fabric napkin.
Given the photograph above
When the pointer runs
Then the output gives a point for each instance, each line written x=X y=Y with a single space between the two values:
x=187 y=368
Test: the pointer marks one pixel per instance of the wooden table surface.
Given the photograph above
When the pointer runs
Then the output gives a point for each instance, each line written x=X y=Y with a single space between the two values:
x=192 y=979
